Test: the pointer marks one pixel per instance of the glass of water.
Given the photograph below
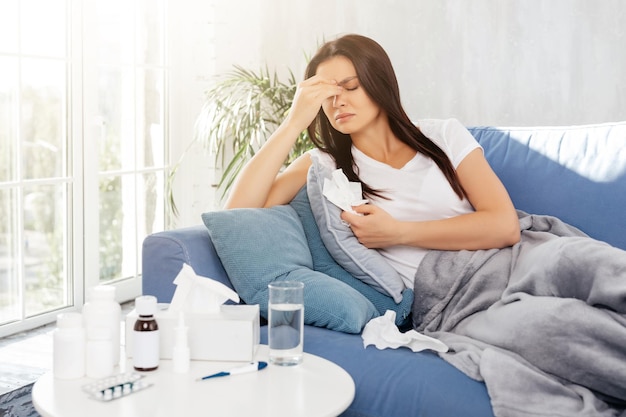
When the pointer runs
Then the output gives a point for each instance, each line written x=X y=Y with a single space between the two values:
x=286 y=322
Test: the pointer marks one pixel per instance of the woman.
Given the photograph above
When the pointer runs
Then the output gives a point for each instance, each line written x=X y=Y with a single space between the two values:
x=350 y=103
x=432 y=195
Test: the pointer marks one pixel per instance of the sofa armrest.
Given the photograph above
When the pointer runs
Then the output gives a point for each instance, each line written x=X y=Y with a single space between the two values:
x=165 y=252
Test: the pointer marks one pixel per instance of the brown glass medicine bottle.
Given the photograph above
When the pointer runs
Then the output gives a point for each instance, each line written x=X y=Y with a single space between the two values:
x=146 y=335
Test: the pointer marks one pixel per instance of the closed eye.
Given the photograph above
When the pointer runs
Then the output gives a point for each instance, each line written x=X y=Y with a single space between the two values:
x=350 y=84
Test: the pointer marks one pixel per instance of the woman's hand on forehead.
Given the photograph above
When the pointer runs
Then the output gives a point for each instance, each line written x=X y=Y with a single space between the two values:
x=309 y=97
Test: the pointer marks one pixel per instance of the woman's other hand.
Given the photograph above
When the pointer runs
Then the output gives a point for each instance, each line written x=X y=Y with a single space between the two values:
x=373 y=226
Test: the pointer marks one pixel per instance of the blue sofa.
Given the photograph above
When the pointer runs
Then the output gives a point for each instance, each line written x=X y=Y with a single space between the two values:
x=577 y=173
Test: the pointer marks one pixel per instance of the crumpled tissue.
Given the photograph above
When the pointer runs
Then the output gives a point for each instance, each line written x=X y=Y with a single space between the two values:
x=383 y=333
x=197 y=294
x=341 y=192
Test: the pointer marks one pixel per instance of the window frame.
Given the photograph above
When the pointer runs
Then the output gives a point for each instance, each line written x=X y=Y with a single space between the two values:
x=81 y=176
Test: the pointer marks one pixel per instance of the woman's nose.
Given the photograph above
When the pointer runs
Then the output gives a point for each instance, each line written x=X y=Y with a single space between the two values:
x=338 y=100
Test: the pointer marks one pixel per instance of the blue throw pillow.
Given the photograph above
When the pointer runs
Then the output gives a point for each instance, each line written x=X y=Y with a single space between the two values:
x=324 y=262
x=363 y=263
x=258 y=246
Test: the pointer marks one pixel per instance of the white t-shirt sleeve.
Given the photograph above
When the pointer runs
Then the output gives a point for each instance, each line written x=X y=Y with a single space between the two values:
x=451 y=136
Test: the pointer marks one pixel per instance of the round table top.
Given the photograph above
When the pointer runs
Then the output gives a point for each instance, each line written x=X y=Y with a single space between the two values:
x=315 y=388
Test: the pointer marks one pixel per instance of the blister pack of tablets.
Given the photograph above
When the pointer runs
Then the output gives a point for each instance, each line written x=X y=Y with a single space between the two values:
x=116 y=386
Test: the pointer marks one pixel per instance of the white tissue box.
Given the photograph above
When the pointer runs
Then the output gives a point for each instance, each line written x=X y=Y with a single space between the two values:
x=233 y=334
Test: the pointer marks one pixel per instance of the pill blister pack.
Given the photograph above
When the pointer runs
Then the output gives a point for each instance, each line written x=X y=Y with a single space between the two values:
x=116 y=386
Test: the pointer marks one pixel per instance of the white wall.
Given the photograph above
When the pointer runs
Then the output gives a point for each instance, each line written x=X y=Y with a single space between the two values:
x=486 y=62
x=493 y=62
x=206 y=37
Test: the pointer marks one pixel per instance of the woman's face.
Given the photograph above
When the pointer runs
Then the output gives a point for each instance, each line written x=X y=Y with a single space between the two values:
x=352 y=111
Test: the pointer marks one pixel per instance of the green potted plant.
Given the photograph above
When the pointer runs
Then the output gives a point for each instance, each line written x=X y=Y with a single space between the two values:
x=239 y=114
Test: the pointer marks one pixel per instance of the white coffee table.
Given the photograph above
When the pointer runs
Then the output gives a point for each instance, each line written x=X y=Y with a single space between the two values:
x=316 y=387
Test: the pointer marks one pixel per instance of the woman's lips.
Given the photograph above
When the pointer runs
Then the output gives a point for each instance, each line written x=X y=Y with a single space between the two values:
x=342 y=117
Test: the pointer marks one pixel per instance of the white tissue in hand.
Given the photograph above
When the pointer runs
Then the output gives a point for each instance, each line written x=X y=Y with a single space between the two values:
x=343 y=193
x=197 y=294
x=383 y=333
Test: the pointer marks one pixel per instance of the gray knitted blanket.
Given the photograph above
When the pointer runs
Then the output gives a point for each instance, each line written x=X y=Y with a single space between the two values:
x=542 y=323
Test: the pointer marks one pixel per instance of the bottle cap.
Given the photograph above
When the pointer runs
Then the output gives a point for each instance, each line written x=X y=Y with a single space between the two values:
x=146 y=305
x=69 y=320
x=102 y=292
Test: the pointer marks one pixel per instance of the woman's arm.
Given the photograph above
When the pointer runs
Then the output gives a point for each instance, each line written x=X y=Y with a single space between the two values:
x=259 y=184
x=494 y=224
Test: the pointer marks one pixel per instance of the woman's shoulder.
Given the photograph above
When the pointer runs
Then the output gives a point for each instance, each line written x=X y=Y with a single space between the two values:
x=439 y=127
x=450 y=135
x=443 y=129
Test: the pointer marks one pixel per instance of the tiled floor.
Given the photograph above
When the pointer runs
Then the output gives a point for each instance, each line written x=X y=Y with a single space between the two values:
x=24 y=357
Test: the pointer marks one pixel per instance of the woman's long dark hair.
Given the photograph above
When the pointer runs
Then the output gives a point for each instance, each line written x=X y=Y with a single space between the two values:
x=376 y=75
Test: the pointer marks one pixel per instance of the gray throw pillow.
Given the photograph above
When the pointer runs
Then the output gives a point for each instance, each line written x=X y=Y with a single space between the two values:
x=363 y=263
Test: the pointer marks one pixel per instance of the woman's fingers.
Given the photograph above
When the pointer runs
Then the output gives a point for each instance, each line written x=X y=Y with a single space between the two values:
x=319 y=89
x=316 y=79
x=309 y=97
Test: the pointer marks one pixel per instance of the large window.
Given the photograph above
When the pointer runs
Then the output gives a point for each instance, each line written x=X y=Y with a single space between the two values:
x=83 y=139
x=124 y=82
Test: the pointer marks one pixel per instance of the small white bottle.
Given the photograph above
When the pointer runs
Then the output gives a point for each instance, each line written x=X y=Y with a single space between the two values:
x=146 y=335
x=98 y=353
x=180 y=353
x=68 y=347
x=101 y=310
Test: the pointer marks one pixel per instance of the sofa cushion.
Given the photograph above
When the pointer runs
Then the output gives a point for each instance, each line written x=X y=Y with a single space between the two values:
x=398 y=382
x=363 y=263
x=259 y=246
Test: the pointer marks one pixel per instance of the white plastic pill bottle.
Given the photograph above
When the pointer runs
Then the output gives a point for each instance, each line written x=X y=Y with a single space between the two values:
x=98 y=353
x=68 y=347
x=101 y=310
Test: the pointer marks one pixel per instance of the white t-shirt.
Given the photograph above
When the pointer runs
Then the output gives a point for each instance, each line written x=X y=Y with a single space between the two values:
x=418 y=191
